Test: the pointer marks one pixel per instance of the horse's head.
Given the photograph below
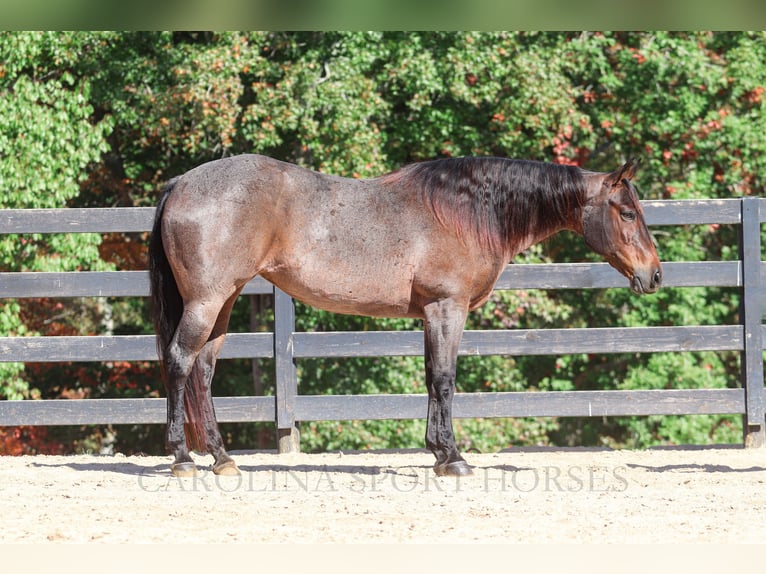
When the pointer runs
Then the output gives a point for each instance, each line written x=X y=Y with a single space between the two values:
x=613 y=225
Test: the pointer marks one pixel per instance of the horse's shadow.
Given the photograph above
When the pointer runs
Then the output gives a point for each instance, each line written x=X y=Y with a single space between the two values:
x=320 y=468
x=125 y=468
x=504 y=468
x=693 y=467
x=163 y=470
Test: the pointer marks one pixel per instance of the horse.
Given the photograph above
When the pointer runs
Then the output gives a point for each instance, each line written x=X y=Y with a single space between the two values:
x=427 y=241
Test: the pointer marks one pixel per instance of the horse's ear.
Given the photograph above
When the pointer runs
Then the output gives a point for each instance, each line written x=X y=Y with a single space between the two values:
x=627 y=171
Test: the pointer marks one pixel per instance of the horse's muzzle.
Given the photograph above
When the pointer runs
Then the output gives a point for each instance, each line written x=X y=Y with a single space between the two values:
x=646 y=283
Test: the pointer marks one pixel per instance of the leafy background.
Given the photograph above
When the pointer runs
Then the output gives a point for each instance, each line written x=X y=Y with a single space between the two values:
x=97 y=119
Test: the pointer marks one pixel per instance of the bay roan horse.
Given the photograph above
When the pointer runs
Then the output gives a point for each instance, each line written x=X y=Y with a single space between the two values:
x=426 y=241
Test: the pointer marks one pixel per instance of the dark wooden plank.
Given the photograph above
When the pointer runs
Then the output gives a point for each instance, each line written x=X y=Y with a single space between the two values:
x=381 y=407
x=517 y=276
x=125 y=411
x=138 y=219
x=248 y=346
x=95 y=348
x=360 y=407
x=601 y=403
x=603 y=340
x=383 y=343
x=525 y=404
x=603 y=275
x=525 y=341
x=118 y=348
x=244 y=409
x=77 y=220
x=82 y=411
x=75 y=284
x=358 y=344
x=692 y=211
x=93 y=284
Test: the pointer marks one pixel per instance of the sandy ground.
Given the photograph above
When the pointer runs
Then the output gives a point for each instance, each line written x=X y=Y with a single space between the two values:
x=527 y=495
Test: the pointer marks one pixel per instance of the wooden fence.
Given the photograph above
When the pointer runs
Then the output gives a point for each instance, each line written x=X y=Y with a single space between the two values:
x=285 y=345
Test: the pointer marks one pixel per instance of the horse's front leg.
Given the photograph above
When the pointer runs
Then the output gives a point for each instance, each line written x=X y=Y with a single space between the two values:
x=444 y=322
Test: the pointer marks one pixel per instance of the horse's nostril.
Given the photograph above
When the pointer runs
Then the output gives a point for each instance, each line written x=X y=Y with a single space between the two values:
x=657 y=279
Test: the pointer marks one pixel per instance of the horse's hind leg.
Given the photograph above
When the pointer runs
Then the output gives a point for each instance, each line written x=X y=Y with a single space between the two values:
x=223 y=465
x=183 y=374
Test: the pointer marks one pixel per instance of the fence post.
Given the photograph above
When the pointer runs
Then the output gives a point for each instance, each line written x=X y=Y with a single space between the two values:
x=751 y=367
x=288 y=436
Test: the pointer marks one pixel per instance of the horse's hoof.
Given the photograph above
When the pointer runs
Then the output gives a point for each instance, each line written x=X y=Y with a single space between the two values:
x=228 y=468
x=457 y=468
x=183 y=469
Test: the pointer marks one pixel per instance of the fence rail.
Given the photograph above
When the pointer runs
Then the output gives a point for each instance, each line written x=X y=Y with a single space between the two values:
x=285 y=345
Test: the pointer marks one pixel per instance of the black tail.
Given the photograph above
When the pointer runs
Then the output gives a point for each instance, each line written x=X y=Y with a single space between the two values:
x=167 y=308
x=167 y=305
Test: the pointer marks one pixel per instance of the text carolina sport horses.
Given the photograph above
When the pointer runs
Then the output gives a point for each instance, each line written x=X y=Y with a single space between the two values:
x=426 y=241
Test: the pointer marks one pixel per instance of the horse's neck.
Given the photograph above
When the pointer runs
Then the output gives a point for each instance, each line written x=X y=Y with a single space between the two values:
x=544 y=227
x=533 y=238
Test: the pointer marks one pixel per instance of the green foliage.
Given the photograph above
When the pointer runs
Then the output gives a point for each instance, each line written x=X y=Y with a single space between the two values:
x=103 y=118
x=47 y=142
x=12 y=385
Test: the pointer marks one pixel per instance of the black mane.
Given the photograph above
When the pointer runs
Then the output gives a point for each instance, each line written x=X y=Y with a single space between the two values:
x=497 y=201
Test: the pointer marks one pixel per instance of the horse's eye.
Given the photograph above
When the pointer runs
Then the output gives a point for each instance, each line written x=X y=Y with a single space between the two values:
x=628 y=216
